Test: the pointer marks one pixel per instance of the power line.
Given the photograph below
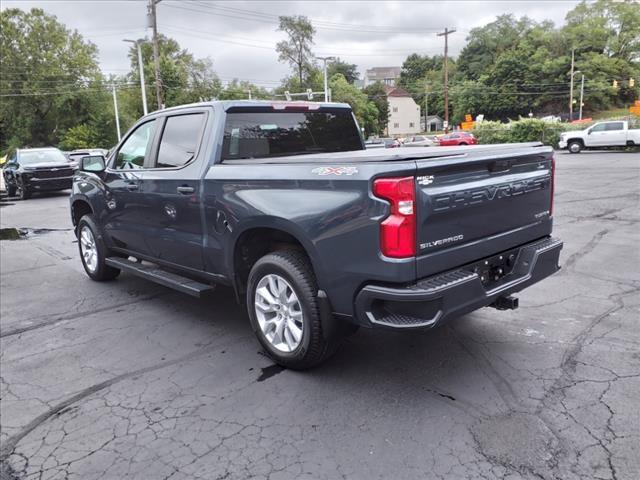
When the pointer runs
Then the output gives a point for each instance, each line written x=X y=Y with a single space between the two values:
x=67 y=92
x=230 y=12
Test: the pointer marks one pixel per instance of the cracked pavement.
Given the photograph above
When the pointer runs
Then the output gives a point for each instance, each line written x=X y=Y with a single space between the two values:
x=128 y=379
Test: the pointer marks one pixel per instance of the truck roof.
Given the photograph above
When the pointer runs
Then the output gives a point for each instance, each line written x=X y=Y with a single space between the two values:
x=227 y=104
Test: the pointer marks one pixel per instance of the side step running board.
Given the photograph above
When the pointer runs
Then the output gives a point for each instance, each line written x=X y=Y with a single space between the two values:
x=158 y=275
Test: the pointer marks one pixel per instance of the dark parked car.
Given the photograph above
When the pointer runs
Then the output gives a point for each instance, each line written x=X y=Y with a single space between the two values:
x=36 y=170
x=316 y=235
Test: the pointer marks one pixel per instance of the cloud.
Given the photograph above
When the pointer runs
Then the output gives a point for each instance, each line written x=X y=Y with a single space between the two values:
x=240 y=36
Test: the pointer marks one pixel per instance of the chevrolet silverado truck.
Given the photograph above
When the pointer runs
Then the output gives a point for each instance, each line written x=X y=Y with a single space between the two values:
x=315 y=234
x=30 y=170
x=600 y=135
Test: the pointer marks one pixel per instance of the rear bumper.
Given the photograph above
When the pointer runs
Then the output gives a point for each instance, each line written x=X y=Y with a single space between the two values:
x=433 y=300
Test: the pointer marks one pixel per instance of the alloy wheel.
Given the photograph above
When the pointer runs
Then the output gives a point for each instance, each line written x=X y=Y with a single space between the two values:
x=88 y=249
x=279 y=313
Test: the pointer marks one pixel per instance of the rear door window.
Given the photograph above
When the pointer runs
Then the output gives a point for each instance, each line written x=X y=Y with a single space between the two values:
x=614 y=126
x=180 y=138
x=262 y=133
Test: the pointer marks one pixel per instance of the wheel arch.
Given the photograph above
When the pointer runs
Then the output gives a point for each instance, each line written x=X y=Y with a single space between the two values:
x=257 y=239
x=79 y=208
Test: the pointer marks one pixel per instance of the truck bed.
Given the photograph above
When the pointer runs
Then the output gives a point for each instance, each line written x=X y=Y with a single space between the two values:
x=401 y=154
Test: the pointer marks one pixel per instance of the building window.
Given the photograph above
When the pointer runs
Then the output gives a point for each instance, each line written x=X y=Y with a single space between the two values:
x=410 y=124
x=396 y=125
x=395 y=109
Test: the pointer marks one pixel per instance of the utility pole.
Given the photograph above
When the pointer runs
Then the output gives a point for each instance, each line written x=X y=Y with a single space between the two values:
x=581 y=94
x=573 y=53
x=249 y=92
x=156 y=50
x=141 y=69
x=426 y=107
x=446 y=34
x=115 y=108
x=326 y=83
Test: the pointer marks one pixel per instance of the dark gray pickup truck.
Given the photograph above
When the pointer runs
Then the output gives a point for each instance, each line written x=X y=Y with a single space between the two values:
x=317 y=235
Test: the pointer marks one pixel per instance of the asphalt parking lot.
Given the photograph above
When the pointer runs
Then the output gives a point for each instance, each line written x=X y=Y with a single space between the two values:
x=127 y=379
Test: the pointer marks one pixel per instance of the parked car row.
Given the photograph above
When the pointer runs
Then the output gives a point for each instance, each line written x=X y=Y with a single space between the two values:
x=446 y=140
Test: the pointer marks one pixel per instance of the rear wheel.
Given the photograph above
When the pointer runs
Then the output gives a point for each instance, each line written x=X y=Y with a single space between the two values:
x=463 y=143
x=575 y=146
x=283 y=309
x=93 y=251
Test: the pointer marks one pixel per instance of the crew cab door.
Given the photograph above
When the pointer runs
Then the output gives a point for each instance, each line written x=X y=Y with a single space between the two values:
x=124 y=180
x=597 y=136
x=616 y=134
x=172 y=190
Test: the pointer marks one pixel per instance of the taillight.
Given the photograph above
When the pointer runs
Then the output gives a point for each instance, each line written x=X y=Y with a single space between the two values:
x=553 y=183
x=398 y=230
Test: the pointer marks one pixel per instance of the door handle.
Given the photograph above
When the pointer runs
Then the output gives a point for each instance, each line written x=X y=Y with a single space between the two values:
x=132 y=186
x=185 y=190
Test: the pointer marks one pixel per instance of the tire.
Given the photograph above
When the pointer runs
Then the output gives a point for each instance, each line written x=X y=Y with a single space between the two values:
x=289 y=272
x=574 y=146
x=92 y=250
x=23 y=192
x=11 y=190
x=462 y=143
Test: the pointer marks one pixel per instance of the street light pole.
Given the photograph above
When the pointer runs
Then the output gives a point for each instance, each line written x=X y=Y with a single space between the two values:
x=326 y=83
x=141 y=69
x=115 y=108
x=581 y=94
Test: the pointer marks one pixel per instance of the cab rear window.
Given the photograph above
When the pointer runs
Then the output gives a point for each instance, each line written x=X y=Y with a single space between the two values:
x=262 y=134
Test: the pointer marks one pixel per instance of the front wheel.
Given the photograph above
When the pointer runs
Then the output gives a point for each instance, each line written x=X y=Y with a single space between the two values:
x=93 y=251
x=23 y=191
x=284 y=313
x=574 y=147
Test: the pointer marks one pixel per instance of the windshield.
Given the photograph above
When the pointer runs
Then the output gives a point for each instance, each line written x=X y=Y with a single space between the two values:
x=261 y=134
x=28 y=157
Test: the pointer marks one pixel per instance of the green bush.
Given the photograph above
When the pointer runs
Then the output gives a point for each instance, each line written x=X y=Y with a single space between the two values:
x=523 y=130
x=492 y=132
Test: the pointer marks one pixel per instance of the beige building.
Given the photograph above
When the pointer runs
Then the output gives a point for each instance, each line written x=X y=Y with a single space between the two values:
x=386 y=75
x=404 y=113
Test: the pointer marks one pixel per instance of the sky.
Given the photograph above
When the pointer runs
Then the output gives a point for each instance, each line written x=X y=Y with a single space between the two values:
x=240 y=36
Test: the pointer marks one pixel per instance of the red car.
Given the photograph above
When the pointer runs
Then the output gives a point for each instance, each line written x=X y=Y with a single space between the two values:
x=456 y=138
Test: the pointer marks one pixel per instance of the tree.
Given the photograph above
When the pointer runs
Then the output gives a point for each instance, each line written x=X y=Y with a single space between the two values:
x=239 y=90
x=365 y=112
x=348 y=70
x=49 y=77
x=377 y=95
x=184 y=78
x=485 y=44
x=296 y=50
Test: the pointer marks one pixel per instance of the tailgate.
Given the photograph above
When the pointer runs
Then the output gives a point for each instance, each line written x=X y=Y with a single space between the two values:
x=480 y=204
